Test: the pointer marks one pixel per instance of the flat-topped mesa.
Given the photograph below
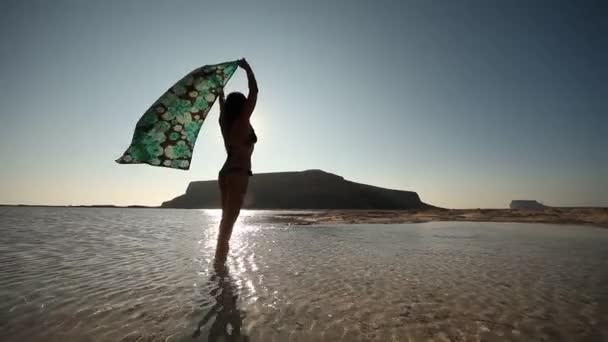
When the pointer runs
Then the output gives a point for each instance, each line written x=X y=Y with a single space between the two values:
x=310 y=189
x=526 y=205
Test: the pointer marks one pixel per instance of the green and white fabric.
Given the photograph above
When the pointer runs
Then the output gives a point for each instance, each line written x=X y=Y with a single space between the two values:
x=165 y=135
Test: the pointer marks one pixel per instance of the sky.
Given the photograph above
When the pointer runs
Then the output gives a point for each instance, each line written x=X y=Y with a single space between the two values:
x=469 y=103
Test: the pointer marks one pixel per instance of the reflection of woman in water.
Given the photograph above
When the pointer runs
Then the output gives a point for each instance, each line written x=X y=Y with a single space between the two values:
x=228 y=318
x=239 y=139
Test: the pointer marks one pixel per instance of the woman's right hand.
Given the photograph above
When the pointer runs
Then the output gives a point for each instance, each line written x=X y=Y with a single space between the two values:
x=244 y=64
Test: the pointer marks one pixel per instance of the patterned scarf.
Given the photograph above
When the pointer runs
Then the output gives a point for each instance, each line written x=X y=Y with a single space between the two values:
x=165 y=135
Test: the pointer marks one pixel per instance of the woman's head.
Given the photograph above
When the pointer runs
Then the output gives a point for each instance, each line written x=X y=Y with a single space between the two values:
x=234 y=105
x=232 y=109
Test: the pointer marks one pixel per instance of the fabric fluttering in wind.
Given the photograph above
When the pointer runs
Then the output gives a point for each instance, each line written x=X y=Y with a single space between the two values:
x=165 y=135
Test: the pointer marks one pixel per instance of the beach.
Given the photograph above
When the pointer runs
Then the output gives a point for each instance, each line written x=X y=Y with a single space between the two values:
x=304 y=171
x=98 y=274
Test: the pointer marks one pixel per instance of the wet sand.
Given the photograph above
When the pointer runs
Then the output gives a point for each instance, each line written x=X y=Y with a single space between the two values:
x=580 y=216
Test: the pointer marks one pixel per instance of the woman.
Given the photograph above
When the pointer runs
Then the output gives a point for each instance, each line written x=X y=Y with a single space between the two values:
x=239 y=138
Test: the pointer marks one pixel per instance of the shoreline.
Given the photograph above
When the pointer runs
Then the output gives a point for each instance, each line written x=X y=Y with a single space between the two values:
x=589 y=216
x=597 y=217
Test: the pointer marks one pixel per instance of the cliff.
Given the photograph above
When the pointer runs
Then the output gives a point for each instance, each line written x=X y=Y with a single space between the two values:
x=312 y=189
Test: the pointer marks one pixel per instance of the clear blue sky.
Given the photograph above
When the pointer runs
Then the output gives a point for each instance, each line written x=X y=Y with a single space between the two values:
x=469 y=103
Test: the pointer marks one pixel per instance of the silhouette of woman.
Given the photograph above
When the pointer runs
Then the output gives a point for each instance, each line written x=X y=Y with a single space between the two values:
x=239 y=138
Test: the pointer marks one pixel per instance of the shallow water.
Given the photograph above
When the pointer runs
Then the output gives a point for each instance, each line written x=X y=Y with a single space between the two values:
x=148 y=275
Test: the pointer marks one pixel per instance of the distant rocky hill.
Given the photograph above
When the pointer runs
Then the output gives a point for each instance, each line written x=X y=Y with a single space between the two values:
x=526 y=205
x=312 y=189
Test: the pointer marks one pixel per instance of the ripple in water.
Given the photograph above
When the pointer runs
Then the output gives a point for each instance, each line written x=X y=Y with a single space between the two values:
x=149 y=275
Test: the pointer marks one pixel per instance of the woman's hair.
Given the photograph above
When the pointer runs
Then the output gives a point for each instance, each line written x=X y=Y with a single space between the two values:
x=232 y=109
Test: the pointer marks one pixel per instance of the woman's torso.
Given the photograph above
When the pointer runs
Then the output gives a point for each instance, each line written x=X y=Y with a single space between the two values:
x=239 y=142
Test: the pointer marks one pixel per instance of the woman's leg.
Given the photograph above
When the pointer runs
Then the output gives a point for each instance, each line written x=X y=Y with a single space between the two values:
x=221 y=253
x=235 y=189
x=223 y=192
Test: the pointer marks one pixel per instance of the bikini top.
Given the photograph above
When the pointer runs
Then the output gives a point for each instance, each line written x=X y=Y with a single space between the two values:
x=253 y=138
